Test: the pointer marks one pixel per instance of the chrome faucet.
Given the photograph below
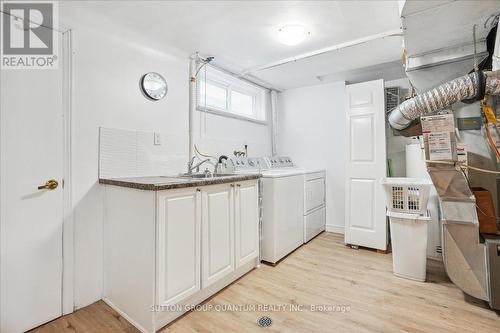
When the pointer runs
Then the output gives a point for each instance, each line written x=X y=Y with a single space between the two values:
x=191 y=167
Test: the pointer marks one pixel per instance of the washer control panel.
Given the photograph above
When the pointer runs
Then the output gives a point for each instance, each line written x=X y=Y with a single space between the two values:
x=278 y=162
x=247 y=163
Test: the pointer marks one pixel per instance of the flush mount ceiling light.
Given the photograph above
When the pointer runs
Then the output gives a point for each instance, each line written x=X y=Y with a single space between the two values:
x=292 y=34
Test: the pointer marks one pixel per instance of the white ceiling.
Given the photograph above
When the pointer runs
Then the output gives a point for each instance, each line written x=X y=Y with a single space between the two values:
x=351 y=64
x=241 y=34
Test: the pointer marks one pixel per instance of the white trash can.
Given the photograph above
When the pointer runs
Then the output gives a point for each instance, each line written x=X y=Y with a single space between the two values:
x=409 y=245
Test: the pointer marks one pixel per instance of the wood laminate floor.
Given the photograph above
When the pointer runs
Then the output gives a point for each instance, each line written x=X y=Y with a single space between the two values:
x=323 y=272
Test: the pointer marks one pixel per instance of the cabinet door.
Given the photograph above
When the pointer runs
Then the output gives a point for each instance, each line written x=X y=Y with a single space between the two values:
x=246 y=222
x=179 y=229
x=217 y=233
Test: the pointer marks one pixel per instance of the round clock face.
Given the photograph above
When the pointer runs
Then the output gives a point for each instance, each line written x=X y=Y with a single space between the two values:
x=154 y=86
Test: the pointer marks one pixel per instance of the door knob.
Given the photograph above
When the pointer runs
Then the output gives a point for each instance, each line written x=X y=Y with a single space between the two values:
x=49 y=185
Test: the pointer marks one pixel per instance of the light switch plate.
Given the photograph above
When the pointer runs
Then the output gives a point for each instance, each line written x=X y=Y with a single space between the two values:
x=157 y=138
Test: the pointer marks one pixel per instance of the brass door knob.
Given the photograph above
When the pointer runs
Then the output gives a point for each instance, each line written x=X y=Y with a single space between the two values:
x=49 y=185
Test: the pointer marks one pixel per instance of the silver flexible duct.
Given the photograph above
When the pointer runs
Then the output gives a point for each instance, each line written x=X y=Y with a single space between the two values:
x=465 y=87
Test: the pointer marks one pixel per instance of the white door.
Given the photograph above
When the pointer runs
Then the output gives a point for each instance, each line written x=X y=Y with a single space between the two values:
x=179 y=227
x=365 y=223
x=217 y=233
x=31 y=144
x=246 y=211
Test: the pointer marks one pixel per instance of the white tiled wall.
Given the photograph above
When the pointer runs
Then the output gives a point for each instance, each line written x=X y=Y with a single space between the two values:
x=131 y=153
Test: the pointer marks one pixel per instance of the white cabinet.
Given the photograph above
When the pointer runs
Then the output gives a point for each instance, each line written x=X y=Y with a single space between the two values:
x=246 y=212
x=217 y=233
x=175 y=248
x=178 y=239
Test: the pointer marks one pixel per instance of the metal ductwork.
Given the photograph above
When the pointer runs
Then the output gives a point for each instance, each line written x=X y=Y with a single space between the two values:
x=471 y=86
x=471 y=260
x=442 y=42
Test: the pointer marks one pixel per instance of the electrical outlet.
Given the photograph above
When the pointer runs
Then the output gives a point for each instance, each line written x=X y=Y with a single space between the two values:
x=157 y=138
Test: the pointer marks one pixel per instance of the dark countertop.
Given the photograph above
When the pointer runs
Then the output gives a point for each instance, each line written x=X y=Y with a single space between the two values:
x=173 y=182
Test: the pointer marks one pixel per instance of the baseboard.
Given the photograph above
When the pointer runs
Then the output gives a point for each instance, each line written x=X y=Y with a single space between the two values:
x=338 y=229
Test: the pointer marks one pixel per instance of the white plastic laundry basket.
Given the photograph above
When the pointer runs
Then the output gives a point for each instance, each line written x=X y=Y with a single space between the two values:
x=407 y=195
x=409 y=245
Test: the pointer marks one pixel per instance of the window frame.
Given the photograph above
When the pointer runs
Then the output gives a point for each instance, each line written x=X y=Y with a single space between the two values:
x=230 y=83
x=217 y=84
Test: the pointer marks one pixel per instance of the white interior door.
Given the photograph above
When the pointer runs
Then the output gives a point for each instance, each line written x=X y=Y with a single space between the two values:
x=365 y=223
x=31 y=143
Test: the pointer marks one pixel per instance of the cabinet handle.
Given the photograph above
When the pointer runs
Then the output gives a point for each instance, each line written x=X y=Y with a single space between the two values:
x=232 y=185
x=239 y=185
x=198 y=190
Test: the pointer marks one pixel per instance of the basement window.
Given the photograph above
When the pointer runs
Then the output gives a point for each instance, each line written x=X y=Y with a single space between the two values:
x=224 y=94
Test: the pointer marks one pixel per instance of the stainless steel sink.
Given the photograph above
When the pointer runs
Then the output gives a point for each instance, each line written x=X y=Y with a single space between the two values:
x=158 y=180
x=204 y=176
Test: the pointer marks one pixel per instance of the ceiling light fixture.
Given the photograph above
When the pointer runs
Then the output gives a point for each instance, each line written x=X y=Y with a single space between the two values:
x=292 y=34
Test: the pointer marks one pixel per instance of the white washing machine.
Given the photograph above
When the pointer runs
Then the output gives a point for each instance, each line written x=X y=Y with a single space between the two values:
x=282 y=213
x=282 y=204
x=292 y=203
x=304 y=220
x=314 y=187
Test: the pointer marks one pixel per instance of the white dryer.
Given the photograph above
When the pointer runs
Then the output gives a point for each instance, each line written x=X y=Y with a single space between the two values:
x=314 y=203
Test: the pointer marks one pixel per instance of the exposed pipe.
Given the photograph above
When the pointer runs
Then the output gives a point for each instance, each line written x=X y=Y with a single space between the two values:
x=193 y=72
x=474 y=85
x=192 y=101
x=336 y=47
x=247 y=78
x=274 y=122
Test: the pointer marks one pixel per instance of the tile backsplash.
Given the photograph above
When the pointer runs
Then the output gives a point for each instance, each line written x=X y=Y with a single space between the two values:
x=132 y=153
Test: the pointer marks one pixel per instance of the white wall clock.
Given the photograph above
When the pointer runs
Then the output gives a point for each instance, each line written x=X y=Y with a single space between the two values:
x=154 y=86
